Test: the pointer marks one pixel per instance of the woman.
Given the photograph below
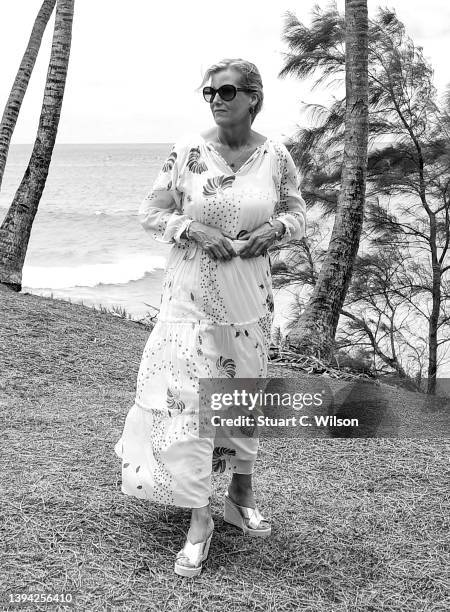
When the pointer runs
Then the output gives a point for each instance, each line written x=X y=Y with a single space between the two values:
x=222 y=199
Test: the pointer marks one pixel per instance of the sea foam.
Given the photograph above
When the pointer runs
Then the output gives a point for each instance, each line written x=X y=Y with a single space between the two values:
x=131 y=268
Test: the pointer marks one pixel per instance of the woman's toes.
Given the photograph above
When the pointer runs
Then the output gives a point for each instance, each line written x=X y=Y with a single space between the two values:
x=184 y=561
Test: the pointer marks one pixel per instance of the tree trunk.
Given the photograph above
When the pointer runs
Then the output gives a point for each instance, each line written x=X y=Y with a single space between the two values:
x=434 y=316
x=12 y=108
x=317 y=326
x=16 y=228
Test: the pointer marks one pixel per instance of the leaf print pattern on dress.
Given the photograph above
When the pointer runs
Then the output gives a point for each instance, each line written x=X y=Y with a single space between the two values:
x=194 y=163
x=217 y=184
x=170 y=162
x=226 y=367
x=174 y=351
x=249 y=429
x=174 y=403
x=219 y=461
x=269 y=302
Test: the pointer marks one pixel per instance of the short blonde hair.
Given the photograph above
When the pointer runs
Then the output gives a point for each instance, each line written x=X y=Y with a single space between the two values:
x=250 y=77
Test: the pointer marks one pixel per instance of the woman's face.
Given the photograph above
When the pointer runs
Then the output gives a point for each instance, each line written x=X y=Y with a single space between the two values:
x=237 y=110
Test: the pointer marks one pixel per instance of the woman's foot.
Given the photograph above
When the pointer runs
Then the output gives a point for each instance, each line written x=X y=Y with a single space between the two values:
x=240 y=507
x=240 y=490
x=202 y=525
x=189 y=559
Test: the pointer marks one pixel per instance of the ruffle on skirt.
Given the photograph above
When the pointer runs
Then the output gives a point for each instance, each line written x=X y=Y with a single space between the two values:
x=163 y=457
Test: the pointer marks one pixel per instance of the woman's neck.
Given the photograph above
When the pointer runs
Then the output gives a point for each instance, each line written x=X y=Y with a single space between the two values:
x=234 y=137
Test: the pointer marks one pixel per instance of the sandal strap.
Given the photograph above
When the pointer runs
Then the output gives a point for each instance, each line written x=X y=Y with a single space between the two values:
x=252 y=516
x=193 y=552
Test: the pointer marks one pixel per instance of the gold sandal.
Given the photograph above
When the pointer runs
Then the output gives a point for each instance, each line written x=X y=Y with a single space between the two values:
x=195 y=555
x=248 y=519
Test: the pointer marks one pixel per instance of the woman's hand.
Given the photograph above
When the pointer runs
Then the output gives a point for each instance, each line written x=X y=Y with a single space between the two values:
x=212 y=240
x=260 y=239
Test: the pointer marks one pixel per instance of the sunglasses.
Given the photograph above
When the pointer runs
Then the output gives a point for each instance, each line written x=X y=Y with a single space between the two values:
x=226 y=92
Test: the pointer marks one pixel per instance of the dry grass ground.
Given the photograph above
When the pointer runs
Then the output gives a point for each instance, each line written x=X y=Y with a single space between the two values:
x=359 y=524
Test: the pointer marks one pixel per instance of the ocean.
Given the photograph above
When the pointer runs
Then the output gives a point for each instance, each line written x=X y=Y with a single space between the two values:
x=87 y=244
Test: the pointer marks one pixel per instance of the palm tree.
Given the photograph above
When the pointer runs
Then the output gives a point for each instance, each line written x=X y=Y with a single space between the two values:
x=317 y=326
x=409 y=159
x=12 y=108
x=16 y=227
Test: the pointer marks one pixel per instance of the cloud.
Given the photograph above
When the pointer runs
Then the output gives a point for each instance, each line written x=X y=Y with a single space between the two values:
x=147 y=59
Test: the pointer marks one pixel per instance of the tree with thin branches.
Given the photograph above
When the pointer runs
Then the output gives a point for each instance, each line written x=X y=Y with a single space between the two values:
x=408 y=173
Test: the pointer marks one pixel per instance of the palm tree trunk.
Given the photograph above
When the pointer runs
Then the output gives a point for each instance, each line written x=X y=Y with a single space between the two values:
x=317 y=326
x=16 y=228
x=12 y=108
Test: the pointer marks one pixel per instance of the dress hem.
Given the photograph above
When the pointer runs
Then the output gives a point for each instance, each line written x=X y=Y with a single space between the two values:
x=209 y=322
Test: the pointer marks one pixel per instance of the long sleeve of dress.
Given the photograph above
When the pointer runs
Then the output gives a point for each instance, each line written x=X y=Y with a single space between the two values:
x=291 y=207
x=160 y=212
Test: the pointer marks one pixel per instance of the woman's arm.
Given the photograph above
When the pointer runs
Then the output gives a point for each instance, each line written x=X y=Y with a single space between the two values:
x=290 y=209
x=160 y=212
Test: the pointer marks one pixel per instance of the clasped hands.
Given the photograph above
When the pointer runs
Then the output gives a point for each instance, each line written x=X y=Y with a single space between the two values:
x=217 y=243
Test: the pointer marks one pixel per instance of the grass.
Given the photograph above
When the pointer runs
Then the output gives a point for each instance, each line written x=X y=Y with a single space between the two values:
x=358 y=524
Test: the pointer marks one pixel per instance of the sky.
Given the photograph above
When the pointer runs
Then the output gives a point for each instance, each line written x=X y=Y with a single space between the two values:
x=134 y=71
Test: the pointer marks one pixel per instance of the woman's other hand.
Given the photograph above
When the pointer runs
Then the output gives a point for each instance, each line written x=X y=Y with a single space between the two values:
x=212 y=240
x=260 y=239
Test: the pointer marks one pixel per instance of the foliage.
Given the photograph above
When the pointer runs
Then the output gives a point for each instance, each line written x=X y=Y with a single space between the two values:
x=406 y=222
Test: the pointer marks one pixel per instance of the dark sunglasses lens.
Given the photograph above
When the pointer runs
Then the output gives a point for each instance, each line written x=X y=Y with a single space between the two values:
x=208 y=93
x=227 y=92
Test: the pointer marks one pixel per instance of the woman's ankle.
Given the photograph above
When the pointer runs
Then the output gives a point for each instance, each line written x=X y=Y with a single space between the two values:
x=241 y=483
x=202 y=515
x=240 y=491
x=201 y=525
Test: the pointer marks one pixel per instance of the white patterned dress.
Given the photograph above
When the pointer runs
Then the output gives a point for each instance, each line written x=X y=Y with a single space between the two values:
x=215 y=316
